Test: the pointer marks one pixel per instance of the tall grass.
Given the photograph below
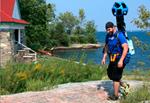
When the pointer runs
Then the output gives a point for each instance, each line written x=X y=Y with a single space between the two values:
x=46 y=73
x=140 y=95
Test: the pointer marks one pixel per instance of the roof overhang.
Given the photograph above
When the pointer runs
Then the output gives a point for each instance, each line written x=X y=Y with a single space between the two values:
x=11 y=26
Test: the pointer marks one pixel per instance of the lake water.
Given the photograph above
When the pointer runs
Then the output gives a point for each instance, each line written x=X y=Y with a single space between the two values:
x=140 y=60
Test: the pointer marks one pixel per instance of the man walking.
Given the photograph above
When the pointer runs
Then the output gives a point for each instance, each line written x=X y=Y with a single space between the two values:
x=116 y=48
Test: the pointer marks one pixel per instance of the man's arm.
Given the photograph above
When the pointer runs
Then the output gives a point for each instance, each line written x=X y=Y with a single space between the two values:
x=104 y=54
x=124 y=53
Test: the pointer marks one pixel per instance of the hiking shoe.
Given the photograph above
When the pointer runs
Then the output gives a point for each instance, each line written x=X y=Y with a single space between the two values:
x=114 y=98
x=124 y=89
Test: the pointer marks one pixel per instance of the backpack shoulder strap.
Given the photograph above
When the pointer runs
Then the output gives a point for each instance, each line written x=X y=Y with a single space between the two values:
x=118 y=32
x=116 y=35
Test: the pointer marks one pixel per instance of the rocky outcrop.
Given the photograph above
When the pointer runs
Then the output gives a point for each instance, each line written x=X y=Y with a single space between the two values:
x=78 y=46
x=85 y=92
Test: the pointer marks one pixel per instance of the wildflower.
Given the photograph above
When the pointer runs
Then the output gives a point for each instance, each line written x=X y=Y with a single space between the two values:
x=62 y=72
x=37 y=67
x=22 y=75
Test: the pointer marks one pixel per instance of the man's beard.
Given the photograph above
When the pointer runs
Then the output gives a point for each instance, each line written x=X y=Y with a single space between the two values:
x=111 y=33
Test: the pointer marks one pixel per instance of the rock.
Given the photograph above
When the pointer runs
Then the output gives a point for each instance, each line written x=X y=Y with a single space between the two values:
x=78 y=46
x=83 y=92
x=2 y=45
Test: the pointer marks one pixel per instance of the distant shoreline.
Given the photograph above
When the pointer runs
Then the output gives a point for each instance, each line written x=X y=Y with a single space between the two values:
x=71 y=47
x=78 y=46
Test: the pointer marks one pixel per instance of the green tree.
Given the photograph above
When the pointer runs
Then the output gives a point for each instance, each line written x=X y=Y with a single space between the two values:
x=38 y=14
x=90 y=27
x=143 y=20
x=60 y=36
x=69 y=21
x=79 y=29
x=47 y=30
x=50 y=15
x=33 y=10
x=90 y=31
x=81 y=16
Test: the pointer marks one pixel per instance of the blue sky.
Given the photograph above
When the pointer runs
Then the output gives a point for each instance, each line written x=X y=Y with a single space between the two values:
x=100 y=10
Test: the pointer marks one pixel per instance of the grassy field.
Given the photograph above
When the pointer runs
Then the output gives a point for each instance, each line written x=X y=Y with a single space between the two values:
x=46 y=73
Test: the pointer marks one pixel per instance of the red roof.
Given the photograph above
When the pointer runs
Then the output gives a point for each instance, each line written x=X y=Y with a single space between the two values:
x=6 y=12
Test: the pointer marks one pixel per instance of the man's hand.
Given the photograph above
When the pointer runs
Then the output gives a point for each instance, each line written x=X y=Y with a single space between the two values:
x=103 y=61
x=120 y=64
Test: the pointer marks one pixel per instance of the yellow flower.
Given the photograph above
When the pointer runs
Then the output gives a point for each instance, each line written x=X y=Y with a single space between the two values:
x=62 y=72
x=37 y=67
x=22 y=75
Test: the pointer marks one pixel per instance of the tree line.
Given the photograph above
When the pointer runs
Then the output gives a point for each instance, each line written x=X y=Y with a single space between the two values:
x=46 y=30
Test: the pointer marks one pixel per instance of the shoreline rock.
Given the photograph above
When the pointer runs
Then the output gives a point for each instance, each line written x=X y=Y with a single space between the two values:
x=71 y=47
x=78 y=46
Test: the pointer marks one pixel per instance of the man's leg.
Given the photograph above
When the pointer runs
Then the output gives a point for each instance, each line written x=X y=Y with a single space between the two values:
x=116 y=85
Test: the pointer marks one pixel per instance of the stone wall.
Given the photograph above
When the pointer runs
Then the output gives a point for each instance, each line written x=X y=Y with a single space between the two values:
x=5 y=47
